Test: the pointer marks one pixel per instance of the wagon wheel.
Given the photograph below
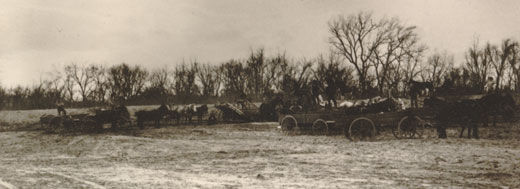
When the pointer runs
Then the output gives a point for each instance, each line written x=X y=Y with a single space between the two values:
x=319 y=127
x=360 y=129
x=289 y=124
x=409 y=127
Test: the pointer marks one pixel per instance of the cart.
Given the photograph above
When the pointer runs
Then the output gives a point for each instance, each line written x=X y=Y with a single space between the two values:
x=405 y=124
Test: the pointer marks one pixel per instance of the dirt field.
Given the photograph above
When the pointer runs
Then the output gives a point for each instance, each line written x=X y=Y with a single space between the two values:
x=254 y=155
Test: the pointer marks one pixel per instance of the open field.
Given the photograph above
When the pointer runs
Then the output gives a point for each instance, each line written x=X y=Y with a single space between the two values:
x=254 y=155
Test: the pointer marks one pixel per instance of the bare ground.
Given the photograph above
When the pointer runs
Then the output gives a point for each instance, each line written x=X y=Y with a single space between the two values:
x=255 y=155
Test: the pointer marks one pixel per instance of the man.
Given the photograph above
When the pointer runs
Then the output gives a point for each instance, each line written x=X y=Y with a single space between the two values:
x=489 y=86
x=315 y=91
x=61 y=108
x=416 y=89
x=330 y=92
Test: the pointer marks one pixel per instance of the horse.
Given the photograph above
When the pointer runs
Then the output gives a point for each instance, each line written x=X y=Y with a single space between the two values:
x=268 y=110
x=469 y=113
x=416 y=88
x=116 y=116
x=200 y=111
x=502 y=104
x=151 y=115
x=187 y=112
x=174 y=114
x=449 y=112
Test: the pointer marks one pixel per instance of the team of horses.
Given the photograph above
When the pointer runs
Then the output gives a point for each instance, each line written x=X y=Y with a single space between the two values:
x=469 y=114
x=119 y=115
x=164 y=112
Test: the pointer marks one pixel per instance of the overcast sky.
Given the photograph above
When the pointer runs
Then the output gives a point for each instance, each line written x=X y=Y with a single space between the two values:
x=37 y=36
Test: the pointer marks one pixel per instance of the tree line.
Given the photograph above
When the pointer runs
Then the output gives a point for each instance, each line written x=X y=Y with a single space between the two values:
x=368 y=56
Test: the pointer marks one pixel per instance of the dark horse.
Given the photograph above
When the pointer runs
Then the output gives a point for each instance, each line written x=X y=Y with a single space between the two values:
x=151 y=115
x=174 y=114
x=416 y=88
x=187 y=112
x=268 y=109
x=116 y=116
x=469 y=113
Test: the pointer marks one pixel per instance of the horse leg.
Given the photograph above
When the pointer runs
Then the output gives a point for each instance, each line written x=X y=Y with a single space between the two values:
x=470 y=130
x=441 y=131
x=475 y=131
x=114 y=125
x=462 y=131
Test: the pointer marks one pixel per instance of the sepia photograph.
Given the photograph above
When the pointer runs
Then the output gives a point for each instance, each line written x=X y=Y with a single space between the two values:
x=259 y=94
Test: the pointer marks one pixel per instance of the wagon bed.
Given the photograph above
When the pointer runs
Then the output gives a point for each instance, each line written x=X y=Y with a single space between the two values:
x=404 y=124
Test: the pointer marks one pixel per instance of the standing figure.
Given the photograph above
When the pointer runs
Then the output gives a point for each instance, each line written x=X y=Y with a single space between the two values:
x=416 y=88
x=330 y=92
x=488 y=87
x=61 y=109
x=315 y=92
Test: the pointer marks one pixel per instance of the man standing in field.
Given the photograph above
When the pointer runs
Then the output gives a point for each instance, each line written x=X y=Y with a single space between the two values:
x=488 y=87
x=61 y=108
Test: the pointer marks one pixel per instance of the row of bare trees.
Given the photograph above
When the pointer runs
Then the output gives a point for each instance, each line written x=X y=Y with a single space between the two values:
x=368 y=57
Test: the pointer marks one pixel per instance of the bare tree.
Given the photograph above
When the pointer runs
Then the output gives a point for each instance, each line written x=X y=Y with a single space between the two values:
x=184 y=86
x=500 y=57
x=254 y=73
x=101 y=84
x=209 y=79
x=84 y=78
x=126 y=82
x=335 y=78
x=438 y=65
x=400 y=43
x=477 y=64
x=296 y=77
x=273 y=72
x=160 y=79
x=514 y=63
x=357 y=38
x=69 y=85
x=157 y=88
x=233 y=77
x=408 y=68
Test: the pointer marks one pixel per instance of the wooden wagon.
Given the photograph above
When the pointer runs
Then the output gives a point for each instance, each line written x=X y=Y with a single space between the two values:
x=404 y=124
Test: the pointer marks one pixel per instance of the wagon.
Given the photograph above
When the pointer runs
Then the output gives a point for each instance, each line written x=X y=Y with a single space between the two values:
x=245 y=112
x=74 y=122
x=404 y=124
